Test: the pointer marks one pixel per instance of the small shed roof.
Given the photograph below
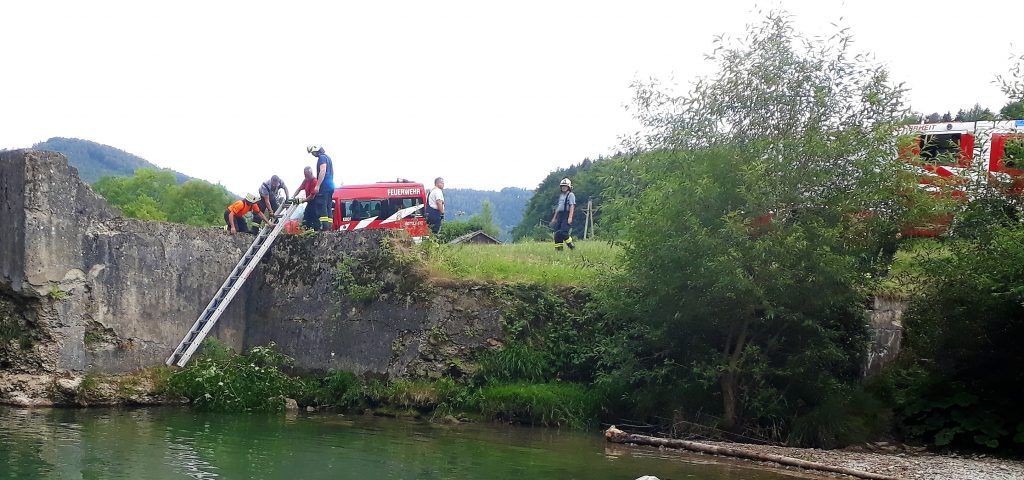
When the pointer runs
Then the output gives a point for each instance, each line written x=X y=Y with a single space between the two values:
x=476 y=237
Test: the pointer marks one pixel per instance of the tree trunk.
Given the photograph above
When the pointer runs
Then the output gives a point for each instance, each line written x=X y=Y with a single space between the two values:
x=615 y=435
x=730 y=379
x=728 y=400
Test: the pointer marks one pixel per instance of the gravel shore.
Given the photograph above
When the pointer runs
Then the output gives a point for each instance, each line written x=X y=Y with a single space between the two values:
x=905 y=465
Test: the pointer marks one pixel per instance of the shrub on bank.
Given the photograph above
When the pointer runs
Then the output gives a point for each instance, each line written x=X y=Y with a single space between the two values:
x=549 y=404
x=223 y=381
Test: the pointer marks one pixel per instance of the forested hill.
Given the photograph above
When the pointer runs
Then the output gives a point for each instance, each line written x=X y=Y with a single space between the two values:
x=509 y=204
x=94 y=160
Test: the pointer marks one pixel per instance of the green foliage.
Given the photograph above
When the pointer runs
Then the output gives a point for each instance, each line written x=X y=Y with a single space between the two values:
x=352 y=288
x=849 y=416
x=963 y=364
x=528 y=262
x=747 y=252
x=156 y=195
x=1013 y=153
x=95 y=161
x=974 y=114
x=56 y=294
x=551 y=404
x=508 y=204
x=89 y=388
x=339 y=389
x=91 y=338
x=590 y=179
x=515 y=362
x=1013 y=110
x=220 y=381
x=483 y=220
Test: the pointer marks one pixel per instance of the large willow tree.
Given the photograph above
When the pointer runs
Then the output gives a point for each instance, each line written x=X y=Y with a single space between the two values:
x=765 y=202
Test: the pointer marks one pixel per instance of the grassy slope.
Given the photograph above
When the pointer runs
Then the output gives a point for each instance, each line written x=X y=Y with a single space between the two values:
x=527 y=262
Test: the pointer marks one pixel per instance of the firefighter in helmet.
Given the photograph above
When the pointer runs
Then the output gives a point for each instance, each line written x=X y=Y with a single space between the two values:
x=324 y=189
x=234 y=216
x=565 y=209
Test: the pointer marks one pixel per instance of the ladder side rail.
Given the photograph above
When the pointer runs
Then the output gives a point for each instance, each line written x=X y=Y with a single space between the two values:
x=210 y=306
x=230 y=295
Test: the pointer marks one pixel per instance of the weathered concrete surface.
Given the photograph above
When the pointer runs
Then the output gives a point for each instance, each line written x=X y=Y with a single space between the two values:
x=83 y=289
x=411 y=328
x=100 y=292
x=12 y=219
x=886 y=316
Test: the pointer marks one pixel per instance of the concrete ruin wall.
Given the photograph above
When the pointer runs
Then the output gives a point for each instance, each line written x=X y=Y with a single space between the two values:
x=886 y=316
x=97 y=292
x=106 y=294
x=412 y=328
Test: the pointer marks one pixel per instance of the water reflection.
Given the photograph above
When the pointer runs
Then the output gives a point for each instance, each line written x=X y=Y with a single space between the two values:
x=172 y=443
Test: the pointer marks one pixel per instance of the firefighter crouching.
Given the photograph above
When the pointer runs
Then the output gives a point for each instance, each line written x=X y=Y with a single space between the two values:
x=234 y=216
x=268 y=196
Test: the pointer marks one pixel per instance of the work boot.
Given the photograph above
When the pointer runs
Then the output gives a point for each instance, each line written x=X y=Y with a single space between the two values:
x=568 y=242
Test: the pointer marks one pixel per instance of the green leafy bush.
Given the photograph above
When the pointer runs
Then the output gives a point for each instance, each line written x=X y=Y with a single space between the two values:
x=339 y=388
x=515 y=362
x=958 y=383
x=236 y=383
x=848 y=416
x=551 y=404
x=1013 y=153
x=152 y=194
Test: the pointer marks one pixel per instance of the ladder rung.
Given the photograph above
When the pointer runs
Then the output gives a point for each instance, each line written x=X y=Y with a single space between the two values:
x=206 y=319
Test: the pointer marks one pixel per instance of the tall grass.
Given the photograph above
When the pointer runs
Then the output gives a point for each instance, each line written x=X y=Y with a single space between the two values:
x=550 y=404
x=530 y=262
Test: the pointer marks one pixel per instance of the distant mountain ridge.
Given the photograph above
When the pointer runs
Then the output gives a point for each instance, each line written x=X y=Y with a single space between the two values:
x=509 y=204
x=95 y=160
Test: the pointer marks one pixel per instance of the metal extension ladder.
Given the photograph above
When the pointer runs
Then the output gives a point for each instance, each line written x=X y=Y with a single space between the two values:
x=227 y=292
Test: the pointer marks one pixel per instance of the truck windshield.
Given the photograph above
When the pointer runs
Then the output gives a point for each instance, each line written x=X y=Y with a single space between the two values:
x=942 y=149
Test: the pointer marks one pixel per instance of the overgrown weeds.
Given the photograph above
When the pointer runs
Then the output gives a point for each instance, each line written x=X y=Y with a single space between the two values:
x=222 y=381
x=526 y=262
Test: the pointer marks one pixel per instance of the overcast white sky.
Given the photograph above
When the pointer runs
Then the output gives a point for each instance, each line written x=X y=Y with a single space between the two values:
x=487 y=94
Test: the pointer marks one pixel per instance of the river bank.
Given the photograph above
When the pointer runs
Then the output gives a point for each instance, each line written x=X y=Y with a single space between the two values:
x=144 y=388
x=895 y=461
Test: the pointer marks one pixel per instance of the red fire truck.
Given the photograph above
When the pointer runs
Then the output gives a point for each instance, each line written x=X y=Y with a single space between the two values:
x=953 y=154
x=376 y=205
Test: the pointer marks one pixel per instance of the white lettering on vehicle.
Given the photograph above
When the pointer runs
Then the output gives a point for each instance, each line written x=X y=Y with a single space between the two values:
x=396 y=192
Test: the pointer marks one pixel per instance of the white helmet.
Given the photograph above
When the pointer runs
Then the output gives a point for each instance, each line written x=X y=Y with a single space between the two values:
x=565 y=183
x=251 y=198
x=314 y=148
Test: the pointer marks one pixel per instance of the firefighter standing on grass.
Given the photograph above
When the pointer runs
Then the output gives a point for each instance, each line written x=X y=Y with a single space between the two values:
x=565 y=209
x=324 y=189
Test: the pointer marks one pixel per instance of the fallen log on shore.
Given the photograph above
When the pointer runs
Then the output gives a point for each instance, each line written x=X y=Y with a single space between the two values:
x=615 y=435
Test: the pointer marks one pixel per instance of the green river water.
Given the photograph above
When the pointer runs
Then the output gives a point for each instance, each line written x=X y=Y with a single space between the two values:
x=177 y=443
